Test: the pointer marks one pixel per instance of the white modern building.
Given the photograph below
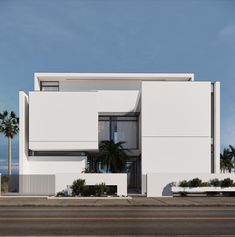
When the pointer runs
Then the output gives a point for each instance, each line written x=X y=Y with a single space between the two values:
x=170 y=123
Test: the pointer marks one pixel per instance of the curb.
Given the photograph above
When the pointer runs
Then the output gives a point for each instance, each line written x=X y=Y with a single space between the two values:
x=89 y=198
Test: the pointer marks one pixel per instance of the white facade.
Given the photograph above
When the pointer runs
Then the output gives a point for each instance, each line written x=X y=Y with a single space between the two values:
x=55 y=131
x=178 y=120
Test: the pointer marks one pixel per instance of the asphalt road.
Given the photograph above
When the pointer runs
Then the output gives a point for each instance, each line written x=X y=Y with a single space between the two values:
x=59 y=221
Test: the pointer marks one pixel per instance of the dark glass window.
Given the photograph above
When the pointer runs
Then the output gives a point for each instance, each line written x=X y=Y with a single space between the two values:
x=119 y=128
x=49 y=86
x=56 y=153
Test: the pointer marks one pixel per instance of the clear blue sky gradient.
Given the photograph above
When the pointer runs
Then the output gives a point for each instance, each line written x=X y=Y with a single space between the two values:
x=118 y=36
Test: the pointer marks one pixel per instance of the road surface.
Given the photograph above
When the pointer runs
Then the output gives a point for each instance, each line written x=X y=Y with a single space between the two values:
x=59 y=221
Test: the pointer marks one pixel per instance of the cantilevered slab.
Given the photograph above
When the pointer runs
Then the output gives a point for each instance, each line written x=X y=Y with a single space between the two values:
x=112 y=76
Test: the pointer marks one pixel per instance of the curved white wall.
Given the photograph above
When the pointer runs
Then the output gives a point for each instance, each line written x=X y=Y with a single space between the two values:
x=116 y=101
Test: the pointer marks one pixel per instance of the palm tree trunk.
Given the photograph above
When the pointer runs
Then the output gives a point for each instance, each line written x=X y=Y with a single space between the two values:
x=9 y=156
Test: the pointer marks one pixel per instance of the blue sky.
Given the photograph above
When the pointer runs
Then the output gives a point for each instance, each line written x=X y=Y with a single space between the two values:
x=118 y=36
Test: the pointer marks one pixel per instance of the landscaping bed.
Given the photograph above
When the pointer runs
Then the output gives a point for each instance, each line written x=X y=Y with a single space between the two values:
x=214 y=187
x=80 y=189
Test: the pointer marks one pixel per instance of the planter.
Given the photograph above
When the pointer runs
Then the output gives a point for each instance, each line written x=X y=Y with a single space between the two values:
x=202 y=190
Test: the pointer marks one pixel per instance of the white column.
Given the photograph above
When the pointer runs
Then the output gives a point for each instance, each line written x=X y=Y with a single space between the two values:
x=217 y=127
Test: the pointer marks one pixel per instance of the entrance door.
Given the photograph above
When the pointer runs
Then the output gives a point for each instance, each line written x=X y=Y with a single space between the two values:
x=133 y=174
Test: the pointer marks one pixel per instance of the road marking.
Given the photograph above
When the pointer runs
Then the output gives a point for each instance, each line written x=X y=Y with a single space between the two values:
x=150 y=209
x=110 y=218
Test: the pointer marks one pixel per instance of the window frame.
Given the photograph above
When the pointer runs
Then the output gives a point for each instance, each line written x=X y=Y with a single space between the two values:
x=114 y=118
x=52 y=86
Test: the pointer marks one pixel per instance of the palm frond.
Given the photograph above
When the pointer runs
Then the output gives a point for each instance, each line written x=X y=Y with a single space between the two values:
x=9 y=124
x=226 y=160
x=112 y=155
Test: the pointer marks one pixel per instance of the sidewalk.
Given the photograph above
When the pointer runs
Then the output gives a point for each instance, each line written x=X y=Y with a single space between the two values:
x=135 y=202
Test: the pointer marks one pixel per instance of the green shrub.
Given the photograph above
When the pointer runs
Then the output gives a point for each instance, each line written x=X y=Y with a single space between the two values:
x=226 y=183
x=111 y=190
x=204 y=184
x=78 y=187
x=215 y=182
x=183 y=184
x=196 y=182
x=100 y=189
x=88 y=191
x=60 y=194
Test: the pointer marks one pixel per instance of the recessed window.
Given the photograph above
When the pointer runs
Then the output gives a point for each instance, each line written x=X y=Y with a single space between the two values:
x=119 y=128
x=49 y=86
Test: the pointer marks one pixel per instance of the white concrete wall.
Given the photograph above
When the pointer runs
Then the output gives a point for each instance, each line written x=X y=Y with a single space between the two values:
x=176 y=109
x=63 y=121
x=176 y=127
x=50 y=128
x=159 y=184
x=41 y=165
x=103 y=81
x=52 y=165
x=63 y=180
x=23 y=131
x=87 y=85
x=175 y=118
x=119 y=101
x=217 y=127
x=176 y=154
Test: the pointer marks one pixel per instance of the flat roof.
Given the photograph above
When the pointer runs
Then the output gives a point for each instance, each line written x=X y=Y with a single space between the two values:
x=115 y=76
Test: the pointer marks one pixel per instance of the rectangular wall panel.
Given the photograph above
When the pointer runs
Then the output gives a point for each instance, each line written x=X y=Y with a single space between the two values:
x=63 y=120
x=176 y=108
x=176 y=127
x=176 y=154
x=34 y=185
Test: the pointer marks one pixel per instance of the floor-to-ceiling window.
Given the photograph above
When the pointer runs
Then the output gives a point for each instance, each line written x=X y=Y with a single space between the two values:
x=120 y=128
x=124 y=128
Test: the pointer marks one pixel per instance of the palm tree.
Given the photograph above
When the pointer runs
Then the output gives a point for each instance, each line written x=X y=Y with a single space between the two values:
x=112 y=156
x=9 y=126
x=93 y=160
x=226 y=163
x=232 y=153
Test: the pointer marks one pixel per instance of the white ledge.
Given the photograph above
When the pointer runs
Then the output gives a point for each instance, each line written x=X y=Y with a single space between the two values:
x=202 y=189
